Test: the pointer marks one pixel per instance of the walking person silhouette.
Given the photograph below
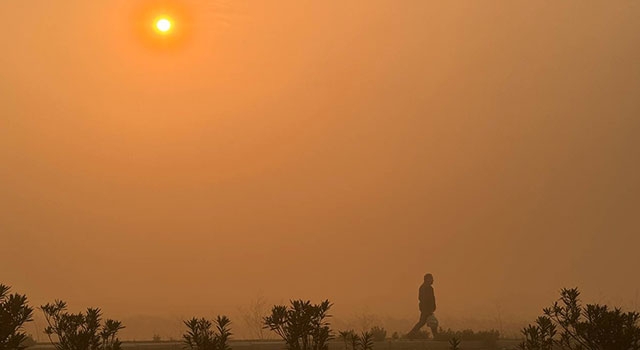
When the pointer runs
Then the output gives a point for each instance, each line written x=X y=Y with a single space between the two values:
x=427 y=306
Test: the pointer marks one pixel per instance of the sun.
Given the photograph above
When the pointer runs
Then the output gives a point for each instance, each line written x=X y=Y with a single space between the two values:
x=163 y=25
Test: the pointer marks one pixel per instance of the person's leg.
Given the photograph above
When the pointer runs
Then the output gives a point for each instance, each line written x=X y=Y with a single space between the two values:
x=420 y=324
x=434 y=331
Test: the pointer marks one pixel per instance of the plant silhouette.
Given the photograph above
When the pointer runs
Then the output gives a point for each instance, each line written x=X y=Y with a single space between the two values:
x=366 y=341
x=346 y=337
x=302 y=326
x=14 y=313
x=353 y=341
x=378 y=333
x=569 y=325
x=81 y=331
x=454 y=343
x=201 y=335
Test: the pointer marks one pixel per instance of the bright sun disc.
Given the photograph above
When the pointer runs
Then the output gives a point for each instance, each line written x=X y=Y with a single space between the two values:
x=163 y=25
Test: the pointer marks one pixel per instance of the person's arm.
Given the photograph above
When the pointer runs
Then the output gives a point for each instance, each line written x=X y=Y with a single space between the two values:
x=433 y=298
x=429 y=300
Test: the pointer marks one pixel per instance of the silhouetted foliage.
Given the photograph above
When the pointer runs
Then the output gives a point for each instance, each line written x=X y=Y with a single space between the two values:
x=365 y=341
x=347 y=337
x=14 y=313
x=302 y=326
x=156 y=338
x=378 y=333
x=454 y=343
x=539 y=336
x=81 y=331
x=201 y=334
x=395 y=336
x=569 y=325
x=353 y=341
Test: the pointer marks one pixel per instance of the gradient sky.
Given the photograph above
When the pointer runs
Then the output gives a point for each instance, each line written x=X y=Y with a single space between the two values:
x=323 y=149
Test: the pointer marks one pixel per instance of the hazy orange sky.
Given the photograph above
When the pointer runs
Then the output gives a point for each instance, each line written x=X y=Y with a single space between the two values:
x=324 y=149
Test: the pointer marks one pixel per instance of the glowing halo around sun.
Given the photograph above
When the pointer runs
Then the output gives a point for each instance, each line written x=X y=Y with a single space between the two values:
x=163 y=25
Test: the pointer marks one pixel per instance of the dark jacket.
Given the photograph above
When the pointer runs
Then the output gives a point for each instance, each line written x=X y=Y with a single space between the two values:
x=427 y=298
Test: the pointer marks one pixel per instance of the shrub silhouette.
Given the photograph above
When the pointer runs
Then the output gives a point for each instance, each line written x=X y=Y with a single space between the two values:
x=378 y=333
x=539 y=336
x=569 y=325
x=353 y=341
x=302 y=326
x=454 y=343
x=81 y=331
x=347 y=337
x=14 y=313
x=201 y=335
x=365 y=341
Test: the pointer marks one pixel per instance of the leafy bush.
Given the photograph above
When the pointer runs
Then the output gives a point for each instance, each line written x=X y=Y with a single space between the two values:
x=302 y=325
x=14 y=313
x=366 y=341
x=378 y=333
x=348 y=338
x=201 y=336
x=81 y=330
x=539 y=336
x=454 y=343
x=569 y=325
x=353 y=341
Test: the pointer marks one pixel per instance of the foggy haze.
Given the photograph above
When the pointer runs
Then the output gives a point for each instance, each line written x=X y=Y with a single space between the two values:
x=321 y=150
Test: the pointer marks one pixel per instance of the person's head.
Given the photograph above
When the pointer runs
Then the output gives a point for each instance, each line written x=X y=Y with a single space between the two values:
x=428 y=278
